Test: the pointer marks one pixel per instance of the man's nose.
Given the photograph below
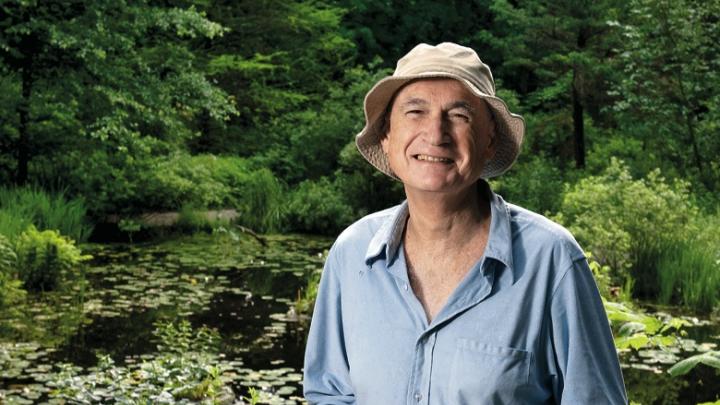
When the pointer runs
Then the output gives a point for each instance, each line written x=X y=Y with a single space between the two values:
x=437 y=132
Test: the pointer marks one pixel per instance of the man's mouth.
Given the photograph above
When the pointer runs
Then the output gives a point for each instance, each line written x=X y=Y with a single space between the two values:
x=434 y=159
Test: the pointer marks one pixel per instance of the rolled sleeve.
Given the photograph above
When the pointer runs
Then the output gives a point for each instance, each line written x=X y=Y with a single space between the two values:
x=588 y=370
x=326 y=375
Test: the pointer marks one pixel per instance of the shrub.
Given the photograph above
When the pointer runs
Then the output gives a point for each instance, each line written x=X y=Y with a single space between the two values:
x=317 y=207
x=31 y=205
x=46 y=259
x=207 y=181
x=625 y=222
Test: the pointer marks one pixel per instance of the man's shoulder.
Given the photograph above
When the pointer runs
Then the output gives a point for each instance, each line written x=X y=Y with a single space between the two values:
x=364 y=229
x=541 y=230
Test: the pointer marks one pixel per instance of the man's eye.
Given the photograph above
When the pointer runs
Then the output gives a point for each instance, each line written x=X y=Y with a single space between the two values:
x=414 y=112
x=460 y=117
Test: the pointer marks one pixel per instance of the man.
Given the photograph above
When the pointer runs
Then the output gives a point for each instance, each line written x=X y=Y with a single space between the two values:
x=455 y=296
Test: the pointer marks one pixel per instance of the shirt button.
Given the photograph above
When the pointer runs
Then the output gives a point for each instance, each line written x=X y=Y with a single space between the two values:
x=405 y=286
x=418 y=396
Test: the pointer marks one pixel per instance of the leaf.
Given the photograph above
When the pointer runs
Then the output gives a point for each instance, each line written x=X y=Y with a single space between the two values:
x=711 y=359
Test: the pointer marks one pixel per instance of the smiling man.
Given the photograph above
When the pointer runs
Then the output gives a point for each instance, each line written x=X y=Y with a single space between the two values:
x=454 y=296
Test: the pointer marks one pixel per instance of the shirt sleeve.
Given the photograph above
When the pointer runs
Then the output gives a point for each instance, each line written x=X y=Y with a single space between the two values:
x=326 y=375
x=587 y=366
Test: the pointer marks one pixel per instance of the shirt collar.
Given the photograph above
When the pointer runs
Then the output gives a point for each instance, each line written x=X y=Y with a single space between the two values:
x=389 y=236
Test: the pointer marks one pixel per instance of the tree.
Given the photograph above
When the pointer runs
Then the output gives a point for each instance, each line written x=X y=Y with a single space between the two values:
x=559 y=55
x=100 y=75
x=670 y=93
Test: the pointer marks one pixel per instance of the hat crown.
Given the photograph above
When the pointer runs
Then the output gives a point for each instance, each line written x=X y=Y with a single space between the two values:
x=449 y=58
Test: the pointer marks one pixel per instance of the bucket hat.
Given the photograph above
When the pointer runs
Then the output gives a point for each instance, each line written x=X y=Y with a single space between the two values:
x=446 y=60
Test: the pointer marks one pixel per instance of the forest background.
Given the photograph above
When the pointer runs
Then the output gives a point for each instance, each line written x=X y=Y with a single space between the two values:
x=114 y=109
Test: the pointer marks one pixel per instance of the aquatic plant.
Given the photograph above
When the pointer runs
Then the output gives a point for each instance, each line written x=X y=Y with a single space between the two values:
x=253 y=397
x=129 y=226
x=689 y=275
x=184 y=369
x=711 y=358
x=636 y=330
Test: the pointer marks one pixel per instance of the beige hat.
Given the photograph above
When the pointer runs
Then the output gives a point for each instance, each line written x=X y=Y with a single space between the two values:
x=447 y=60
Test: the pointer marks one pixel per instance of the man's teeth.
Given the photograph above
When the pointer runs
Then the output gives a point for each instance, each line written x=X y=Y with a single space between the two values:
x=433 y=159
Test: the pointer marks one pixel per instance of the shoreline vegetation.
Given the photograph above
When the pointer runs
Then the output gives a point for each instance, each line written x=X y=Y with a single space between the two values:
x=236 y=122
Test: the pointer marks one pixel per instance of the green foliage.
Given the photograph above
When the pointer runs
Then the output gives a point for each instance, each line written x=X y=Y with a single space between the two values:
x=20 y=207
x=129 y=226
x=309 y=140
x=11 y=291
x=363 y=187
x=279 y=62
x=180 y=338
x=317 y=206
x=254 y=397
x=689 y=274
x=625 y=222
x=711 y=358
x=636 y=330
x=306 y=298
x=260 y=200
x=183 y=370
x=193 y=219
x=535 y=183
x=117 y=80
x=668 y=95
x=46 y=259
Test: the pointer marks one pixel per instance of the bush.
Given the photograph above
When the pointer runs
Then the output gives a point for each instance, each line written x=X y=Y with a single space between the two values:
x=207 y=181
x=31 y=205
x=317 y=207
x=46 y=259
x=625 y=222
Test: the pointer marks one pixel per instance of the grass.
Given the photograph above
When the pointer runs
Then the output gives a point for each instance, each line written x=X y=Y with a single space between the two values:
x=20 y=207
x=689 y=274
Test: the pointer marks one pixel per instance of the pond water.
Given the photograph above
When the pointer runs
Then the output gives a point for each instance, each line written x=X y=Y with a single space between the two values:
x=247 y=292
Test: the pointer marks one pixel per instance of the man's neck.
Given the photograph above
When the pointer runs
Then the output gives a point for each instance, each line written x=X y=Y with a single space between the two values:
x=447 y=221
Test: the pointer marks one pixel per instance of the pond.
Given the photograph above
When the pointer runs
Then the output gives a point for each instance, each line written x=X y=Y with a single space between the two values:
x=244 y=290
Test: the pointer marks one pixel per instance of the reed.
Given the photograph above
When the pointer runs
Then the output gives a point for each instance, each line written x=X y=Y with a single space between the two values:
x=22 y=206
x=689 y=274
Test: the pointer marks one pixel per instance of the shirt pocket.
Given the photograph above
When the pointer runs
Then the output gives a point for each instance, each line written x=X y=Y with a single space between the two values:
x=485 y=374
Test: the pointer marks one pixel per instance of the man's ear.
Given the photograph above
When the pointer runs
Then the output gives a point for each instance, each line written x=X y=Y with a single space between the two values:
x=492 y=145
x=384 y=142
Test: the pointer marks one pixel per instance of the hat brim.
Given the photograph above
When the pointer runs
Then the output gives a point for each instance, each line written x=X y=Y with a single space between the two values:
x=509 y=130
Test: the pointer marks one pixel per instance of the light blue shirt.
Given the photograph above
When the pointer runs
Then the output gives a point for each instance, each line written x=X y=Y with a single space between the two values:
x=525 y=326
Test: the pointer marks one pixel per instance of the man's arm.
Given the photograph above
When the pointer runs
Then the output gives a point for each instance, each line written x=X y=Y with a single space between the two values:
x=326 y=375
x=588 y=370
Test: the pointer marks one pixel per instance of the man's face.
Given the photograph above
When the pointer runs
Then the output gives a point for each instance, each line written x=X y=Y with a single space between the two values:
x=439 y=137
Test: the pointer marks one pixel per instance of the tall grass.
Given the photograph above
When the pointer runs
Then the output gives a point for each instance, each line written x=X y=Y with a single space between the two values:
x=260 y=201
x=20 y=207
x=689 y=274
